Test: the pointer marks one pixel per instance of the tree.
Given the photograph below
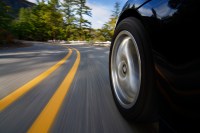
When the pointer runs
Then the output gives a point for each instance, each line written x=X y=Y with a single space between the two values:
x=5 y=24
x=109 y=27
x=48 y=20
x=39 y=22
x=116 y=10
x=5 y=18
x=98 y=35
x=23 y=26
x=84 y=26
x=53 y=18
x=68 y=9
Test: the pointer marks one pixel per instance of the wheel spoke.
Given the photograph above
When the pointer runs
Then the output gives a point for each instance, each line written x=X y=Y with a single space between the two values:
x=126 y=69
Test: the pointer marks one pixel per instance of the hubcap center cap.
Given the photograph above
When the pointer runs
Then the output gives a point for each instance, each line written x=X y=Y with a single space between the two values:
x=124 y=69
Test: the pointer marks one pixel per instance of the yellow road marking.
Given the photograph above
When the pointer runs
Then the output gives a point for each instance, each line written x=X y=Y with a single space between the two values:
x=6 y=101
x=44 y=121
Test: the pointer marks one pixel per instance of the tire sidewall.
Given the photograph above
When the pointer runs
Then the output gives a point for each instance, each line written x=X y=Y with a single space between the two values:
x=137 y=111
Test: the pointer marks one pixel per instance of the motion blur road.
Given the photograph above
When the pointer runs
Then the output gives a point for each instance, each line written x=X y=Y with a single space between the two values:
x=52 y=88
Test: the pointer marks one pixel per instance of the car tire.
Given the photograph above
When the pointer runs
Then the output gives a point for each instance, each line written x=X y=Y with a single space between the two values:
x=132 y=72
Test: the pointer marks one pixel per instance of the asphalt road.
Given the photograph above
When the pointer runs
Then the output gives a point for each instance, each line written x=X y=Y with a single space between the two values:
x=46 y=88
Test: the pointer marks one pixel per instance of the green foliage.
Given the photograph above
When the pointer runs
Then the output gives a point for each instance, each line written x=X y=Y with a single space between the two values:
x=23 y=26
x=53 y=18
x=42 y=22
x=70 y=29
x=98 y=35
x=108 y=28
x=116 y=10
x=84 y=26
x=5 y=24
x=5 y=18
x=50 y=20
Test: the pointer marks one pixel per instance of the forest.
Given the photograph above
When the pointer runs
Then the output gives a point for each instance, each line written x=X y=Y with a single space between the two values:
x=54 y=20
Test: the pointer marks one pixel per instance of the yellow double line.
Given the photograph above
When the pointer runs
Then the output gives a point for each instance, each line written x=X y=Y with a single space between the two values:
x=45 y=119
x=47 y=116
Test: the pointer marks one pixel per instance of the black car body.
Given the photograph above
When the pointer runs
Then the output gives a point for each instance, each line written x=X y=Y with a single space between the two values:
x=172 y=27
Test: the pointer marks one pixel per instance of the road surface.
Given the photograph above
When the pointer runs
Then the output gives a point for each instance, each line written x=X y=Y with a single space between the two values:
x=59 y=89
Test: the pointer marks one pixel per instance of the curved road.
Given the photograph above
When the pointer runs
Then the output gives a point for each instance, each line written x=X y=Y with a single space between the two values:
x=61 y=89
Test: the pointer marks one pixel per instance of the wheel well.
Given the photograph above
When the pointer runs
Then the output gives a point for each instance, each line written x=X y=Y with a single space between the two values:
x=129 y=13
x=134 y=13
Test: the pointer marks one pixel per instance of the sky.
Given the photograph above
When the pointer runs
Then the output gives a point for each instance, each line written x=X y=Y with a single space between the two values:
x=101 y=11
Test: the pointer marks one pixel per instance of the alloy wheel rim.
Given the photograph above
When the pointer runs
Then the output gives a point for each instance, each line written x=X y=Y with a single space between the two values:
x=126 y=69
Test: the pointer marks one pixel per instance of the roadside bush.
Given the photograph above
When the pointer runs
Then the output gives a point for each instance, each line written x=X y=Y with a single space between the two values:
x=6 y=38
